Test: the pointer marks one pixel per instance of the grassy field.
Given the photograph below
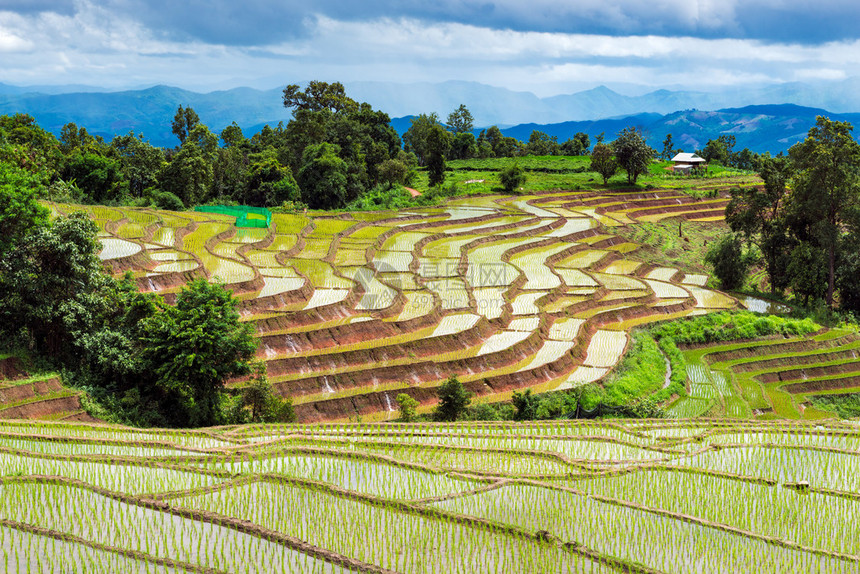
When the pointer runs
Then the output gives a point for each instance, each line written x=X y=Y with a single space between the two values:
x=700 y=496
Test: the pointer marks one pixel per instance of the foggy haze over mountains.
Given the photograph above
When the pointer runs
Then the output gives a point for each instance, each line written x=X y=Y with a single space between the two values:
x=150 y=110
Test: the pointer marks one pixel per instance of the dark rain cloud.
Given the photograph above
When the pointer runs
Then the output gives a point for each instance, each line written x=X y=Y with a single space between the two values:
x=265 y=22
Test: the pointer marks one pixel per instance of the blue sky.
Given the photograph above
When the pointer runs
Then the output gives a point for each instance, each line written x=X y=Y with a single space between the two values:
x=543 y=46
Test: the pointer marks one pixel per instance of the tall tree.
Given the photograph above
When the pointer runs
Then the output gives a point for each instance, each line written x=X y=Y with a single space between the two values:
x=827 y=186
x=184 y=121
x=460 y=120
x=603 y=161
x=140 y=162
x=417 y=136
x=193 y=347
x=759 y=213
x=319 y=96
x=633 y=153
x=577 y=145
x=437 y=147
x=323 y=176
x=20 y=212
x=668 y=148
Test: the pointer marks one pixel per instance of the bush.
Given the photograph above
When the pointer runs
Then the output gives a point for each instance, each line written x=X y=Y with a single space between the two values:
x=526 y=405
x=259 y=403
x=726 y=326
x=512 y=177
x=168 y=201
x=407 y=406
x=383 y=196
x=731 y=264
x=453 y=400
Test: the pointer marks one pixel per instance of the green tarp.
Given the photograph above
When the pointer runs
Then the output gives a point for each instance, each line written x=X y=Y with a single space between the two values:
x=246 y=216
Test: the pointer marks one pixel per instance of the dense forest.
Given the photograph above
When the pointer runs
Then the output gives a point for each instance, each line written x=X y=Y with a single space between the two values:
x=334 y=153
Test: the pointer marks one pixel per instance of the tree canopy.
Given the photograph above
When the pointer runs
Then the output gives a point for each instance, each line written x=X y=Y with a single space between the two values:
x=634 y=155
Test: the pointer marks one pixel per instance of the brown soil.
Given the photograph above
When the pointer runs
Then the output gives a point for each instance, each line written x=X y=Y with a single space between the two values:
x=12 y=369
x=44 y=408
x=809 y=372
x=827 y=385
x=17 y=393
x=780 y=348
x=813 y=359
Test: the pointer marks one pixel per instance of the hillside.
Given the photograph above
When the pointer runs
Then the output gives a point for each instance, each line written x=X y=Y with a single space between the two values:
x=765 y=124
x=506 y=292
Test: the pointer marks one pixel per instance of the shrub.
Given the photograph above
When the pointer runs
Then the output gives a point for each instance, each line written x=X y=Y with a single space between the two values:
x=453 y=400
x=407 y=406
x=512 y=177
x=526 y=405
x=731 y=264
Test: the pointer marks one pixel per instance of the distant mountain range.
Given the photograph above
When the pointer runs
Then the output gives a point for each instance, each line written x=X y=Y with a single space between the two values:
x=758 y=118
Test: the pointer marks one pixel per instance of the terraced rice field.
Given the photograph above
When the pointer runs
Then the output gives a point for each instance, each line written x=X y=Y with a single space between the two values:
x=770 y=377
x=353 y=309
x=700 y=496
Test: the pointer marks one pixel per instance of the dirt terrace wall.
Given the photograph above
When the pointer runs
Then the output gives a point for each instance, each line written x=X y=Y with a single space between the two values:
x=412 y=373
x=42 y=408
x=780 y=348
x=420 y=348
x=11 y=368
x=780 y=362
x=826 y=385
x=809 y=372
x=28 y=391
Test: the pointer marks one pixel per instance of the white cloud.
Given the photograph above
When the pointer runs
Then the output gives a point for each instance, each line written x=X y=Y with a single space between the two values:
x=10 y=42
x=97 y=46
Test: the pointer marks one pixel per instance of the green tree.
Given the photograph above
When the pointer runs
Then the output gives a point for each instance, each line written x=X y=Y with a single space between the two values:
x=848 y=271
x=318 y=96
x=526 y=405
x=460 y=120
x=577 y=145
x=323 y=177
x=437 y=147
x=454 y=399
x=417 y=137
x=807 y=270
x=99 y=177
x=20 y=212
x=259 y=403
x=719 y=150
x=633 y=153
x=541 y=143
x=463 y=146
x=668 y=148
x=72 y=137
x=140 y=162
x=393 y=172
x=826 y=186
x=407 y=406
x=603 y=162
x=49 y=281
x=512 y=177
x=193 y=347
x=269 y=182
x=185 y=120
x=501 y=145
x=232 y=136
x=189 y=175
x=759 y=214
x=731 y=264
